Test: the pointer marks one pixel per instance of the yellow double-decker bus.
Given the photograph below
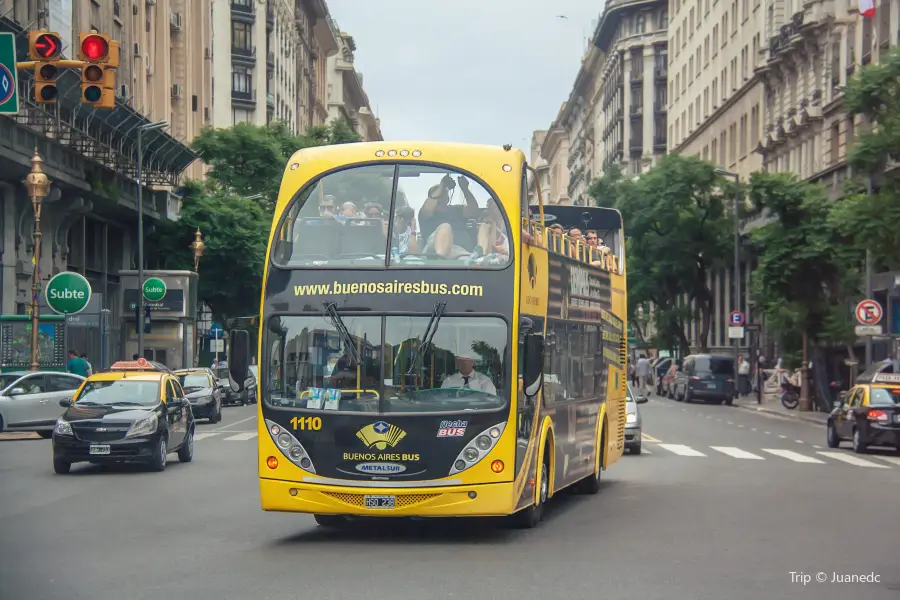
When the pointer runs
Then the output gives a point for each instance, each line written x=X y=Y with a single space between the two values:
x=430 y=344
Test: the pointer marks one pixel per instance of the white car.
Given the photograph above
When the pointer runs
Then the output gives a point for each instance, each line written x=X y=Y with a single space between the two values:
x=29 y=400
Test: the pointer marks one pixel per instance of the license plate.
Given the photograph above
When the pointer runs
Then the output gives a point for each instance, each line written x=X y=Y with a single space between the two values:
x=381 y=502
x=710 y=386
x=99 y=449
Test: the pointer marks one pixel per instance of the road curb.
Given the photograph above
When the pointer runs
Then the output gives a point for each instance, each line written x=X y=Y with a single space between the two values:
x=778 y=413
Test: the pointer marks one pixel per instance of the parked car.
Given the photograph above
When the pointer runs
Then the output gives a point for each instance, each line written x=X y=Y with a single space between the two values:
x=707 y=377
x=245 y=396
x=869 y=415
x=660 y=368
x=29 y=400
x=204 y=392
x=633 y=421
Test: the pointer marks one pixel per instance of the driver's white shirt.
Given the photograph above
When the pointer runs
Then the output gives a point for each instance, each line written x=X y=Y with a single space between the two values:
x=477 y=381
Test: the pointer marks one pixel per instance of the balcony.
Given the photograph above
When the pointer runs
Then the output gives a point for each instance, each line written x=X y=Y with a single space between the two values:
x=636 y=147
x=661 y=73
x=243 y=55
x=659 y=107
x=659 y=143
x=243 y=10
x=243 y=99
x=637 y=75
x=270 y=60
x=270 y=17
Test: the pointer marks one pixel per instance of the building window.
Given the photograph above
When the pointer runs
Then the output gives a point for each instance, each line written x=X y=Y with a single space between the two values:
x=664 y=19
x=754 y=124
x=713 y=150
x=640 y=23
x=732 y=132
x=692 y=21
x=715 y=39
x=241 y=35
x=743 y=146
x=705 y=103
x=242 y=80
x=723 y=159
x=715 y=92
x=734 y=17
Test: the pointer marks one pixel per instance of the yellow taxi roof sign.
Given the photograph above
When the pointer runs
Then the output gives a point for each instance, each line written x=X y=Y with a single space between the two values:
x=886 y=378
x=141 y=364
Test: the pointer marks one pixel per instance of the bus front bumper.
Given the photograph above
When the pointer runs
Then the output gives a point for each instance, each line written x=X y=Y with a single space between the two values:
x=491 y=499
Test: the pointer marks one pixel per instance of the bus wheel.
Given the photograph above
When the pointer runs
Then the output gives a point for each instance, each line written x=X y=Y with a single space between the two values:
x=333 y=521
x=591 y=483
x=529 y=518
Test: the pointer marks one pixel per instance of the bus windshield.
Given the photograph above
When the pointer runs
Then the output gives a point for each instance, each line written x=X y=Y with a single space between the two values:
x=437 y=217
x=393 y=364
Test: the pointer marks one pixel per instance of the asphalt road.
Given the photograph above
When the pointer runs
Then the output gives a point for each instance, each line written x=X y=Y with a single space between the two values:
x=718 y=508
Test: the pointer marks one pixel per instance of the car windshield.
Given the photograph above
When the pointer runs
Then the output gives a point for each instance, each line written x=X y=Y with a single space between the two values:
x=194 y=380
x=884 y=397
x=323 y=363
x=438 y=217
x=126 y=391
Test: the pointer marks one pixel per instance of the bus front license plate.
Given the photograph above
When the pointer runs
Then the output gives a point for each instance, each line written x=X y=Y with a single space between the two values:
x=381 y=502
x=99 y=449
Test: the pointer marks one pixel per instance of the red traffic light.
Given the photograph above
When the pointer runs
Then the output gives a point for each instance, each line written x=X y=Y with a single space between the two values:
x=94 y=47
x=47 y=45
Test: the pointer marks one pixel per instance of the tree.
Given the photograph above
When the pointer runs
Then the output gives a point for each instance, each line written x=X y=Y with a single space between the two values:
x=869 y=221
x=804 y=274
x=678 y=232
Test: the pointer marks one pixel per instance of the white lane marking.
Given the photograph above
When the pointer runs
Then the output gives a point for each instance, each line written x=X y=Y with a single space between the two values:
x=817 y=447
x=729 y=422
x=204 y=435
x=768 y=433
x=645 y=451
x=241 y=437
x=891 y=459
x=794 y=456
x=754 y=429
x=235 y=423
x=740 y=426
x=852 y=460
x=784 y=437
x=736 y=452
x=681 y=450
x=799 y=441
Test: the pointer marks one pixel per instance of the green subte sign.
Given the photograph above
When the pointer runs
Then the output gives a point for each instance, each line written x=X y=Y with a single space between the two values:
x=154 y=289
x=68 y=293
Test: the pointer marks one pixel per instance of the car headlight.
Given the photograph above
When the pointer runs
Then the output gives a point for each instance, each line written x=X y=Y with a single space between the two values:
x=478 y=448
x=631 y=418
x=289 y=446
x=144 y=426
x=63 y=427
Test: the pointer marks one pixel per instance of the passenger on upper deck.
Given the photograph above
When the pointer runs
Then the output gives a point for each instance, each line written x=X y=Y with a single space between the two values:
x=444 y=226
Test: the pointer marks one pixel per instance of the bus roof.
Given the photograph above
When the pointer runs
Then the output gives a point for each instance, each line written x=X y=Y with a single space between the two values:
x=583 y=217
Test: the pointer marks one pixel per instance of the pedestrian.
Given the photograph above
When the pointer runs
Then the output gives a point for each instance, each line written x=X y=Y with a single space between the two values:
x=77 y=365
x=632 y=375
x=134 y=356
x=642 y=370
x=743 y=375
x=90 y=368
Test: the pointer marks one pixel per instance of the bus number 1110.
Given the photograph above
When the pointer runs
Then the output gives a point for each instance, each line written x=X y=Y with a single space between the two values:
x=307 y=423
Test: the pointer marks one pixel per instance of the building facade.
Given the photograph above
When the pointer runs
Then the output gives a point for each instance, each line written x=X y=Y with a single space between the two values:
x=555 y=151
x=540 y=178
x=346 y=97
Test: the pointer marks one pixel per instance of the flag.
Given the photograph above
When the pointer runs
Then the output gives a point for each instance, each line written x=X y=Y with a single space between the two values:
x=867 y=8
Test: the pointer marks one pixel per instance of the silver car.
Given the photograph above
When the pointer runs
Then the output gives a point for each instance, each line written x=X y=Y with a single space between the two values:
x=29 y=400
x=633 y=421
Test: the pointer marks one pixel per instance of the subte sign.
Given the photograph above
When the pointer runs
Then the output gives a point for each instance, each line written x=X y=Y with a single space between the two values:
x=68 y=293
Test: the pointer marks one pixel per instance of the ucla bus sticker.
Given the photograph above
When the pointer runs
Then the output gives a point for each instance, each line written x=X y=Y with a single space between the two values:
x=68 y=293
x=154 y=289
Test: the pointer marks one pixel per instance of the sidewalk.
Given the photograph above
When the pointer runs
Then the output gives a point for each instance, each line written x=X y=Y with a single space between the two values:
x=777 y=408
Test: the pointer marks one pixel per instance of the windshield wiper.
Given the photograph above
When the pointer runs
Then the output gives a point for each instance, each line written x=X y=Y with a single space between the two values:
x=436 y=315
x=338 y=323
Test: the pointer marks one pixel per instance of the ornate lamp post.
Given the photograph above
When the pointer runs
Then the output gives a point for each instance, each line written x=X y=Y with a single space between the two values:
x=38 y=185
x=197 y=247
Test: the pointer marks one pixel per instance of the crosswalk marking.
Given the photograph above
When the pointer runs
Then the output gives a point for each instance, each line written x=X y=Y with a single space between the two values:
x=681 y=450
x=204 y=435
x=851 y=460
x=736 y=452
x=891 y=459
x=794 y=456
x=241 y=437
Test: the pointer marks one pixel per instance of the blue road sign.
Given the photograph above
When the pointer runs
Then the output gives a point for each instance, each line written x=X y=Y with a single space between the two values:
x=9 y=75
x=736 y=318
x=216 y=330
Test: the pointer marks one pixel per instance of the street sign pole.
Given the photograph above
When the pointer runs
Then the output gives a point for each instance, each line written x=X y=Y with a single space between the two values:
x=9 y=75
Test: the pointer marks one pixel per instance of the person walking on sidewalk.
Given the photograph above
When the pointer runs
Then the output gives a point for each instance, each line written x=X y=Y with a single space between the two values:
x=743 y=376
x=642 y=370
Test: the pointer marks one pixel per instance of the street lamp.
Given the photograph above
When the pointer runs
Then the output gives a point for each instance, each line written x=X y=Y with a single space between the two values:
x=737 y=258
x=140 y=200
x=197 y=247
x=38 y=185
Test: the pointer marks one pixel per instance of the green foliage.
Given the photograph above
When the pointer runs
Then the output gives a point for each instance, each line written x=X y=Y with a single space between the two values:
x=804 y=276
x=233 y=209
x=679 y=231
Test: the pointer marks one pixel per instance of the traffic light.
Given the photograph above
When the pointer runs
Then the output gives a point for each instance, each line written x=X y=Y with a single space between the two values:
x=100 y=58
x=147 y=325
x=44 y=47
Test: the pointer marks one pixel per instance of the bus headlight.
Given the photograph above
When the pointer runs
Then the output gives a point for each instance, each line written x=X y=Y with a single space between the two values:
x=289 y=446
x=478 y=448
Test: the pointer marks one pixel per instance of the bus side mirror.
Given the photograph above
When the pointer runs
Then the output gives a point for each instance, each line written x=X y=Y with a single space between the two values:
x=239 y=358
x=533 y=371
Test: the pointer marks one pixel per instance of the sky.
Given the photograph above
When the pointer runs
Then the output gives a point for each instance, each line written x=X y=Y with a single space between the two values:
x=480 y=71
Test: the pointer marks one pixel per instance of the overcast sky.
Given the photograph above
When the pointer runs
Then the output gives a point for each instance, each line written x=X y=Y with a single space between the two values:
x=482 y=71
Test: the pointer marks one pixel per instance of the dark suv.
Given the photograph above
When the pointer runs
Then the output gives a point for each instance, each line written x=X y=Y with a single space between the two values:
x=707 y=377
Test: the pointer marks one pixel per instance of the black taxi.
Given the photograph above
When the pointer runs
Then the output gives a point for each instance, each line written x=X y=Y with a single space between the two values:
x=868 y=414
x=134 y=412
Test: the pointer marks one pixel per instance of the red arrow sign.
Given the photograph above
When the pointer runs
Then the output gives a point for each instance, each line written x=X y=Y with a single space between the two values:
x=47 y=45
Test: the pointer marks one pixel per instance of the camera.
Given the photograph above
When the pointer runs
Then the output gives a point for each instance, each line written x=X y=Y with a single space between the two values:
x=448 y=182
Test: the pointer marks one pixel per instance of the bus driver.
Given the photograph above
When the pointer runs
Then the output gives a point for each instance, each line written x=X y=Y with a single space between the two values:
x=468 y=378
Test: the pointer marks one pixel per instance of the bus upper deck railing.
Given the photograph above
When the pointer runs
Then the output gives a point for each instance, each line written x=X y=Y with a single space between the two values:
x=562 y=244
